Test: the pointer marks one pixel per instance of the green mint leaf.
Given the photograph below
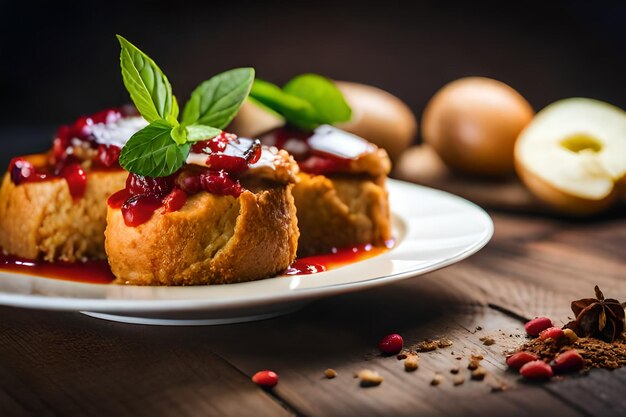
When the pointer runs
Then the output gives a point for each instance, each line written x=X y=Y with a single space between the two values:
x=197 y=132
x=173 y=117
x=151 y=152
x=323 y=95
x=179 y=134
x=265 y=108
x=216 y=101
x=148 y=86
x=296 y=110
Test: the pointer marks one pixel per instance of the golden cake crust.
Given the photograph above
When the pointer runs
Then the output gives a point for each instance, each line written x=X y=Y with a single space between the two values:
x=40 y=219
x=211 y=240
x=341 y=211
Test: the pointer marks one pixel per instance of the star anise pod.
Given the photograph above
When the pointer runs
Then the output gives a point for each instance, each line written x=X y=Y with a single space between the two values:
x=598 y=317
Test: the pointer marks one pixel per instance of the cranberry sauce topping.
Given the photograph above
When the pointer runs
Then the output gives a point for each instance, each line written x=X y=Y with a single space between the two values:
x=22 y=171
x=223 y=158
x=76 y=180
x=91 y=141
x=323 y=151
x=144 y=195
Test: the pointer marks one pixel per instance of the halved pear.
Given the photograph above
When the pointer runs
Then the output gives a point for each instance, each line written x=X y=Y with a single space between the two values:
x=573 y=154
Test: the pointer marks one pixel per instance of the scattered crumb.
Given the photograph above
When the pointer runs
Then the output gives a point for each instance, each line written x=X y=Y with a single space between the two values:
x=330 y=373
x=487 y=341
x=437 y=379
x=443 y=343
x=401 y=356
x=458 y=380
x=369 y=378
x=454 y=371
x=478 y=328
x=474 y=362
x=458 y=358
x=499 y=387
x=430 y=345
x=496 y=384
x=427 y=346
x=411 y=363
x=479 y=373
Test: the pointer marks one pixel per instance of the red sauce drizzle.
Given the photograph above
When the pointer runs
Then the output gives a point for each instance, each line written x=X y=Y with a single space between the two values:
x=98 y=272
x=92 y=272
x=338 y=257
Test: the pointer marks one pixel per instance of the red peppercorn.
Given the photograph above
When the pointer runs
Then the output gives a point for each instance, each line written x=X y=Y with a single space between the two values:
x=537 y=325
x=554 y=333
x=265 y=379
x=519 y=359
x=391 y=344
x=536 y=370
x=568 y=361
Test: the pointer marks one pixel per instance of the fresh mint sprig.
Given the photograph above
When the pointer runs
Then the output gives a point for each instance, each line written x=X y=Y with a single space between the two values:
x=306 y=101
x=149 y=88
x=162 y=147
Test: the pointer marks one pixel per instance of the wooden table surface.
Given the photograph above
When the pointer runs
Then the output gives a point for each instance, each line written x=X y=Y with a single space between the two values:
x=67 y=364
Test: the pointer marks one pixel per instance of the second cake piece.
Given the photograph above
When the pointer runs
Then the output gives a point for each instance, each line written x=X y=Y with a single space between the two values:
x=341 y=196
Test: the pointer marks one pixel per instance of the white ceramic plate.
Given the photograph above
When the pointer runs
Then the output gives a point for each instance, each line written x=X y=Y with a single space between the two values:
x=432 y=229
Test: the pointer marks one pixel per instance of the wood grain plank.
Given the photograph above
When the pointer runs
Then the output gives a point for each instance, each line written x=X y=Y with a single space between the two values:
x=601 y=393
x=342 y=333
x=18 y=399
x=541 y=268
x=77 y=366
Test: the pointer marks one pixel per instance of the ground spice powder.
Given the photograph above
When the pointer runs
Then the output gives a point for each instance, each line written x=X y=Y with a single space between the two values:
x=597 y=353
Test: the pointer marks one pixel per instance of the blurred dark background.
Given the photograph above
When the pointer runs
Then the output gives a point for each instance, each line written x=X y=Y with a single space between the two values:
x=60 y=59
